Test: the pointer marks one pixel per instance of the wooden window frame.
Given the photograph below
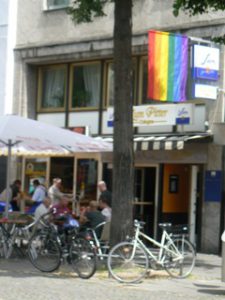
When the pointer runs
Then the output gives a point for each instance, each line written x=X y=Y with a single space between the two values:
x=90 y=108
x=105 y=82
x=140 y=92
x=40 y=89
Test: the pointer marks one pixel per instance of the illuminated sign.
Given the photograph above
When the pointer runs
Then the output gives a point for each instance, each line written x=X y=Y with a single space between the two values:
x=205 y=91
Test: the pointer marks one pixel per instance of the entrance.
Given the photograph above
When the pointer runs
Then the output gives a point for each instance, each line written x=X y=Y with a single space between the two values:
x=145 y=195
x=181 y=196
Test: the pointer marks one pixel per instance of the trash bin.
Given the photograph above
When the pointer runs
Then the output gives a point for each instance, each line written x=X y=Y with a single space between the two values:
x=223 y=257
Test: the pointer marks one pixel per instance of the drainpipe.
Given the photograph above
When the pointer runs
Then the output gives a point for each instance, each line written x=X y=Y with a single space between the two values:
x=222 y=227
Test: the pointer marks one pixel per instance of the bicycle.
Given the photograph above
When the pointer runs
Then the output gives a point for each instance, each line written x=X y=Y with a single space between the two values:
x=129 y=261
x=99 y=243
x=47 y=249
x=13 y=234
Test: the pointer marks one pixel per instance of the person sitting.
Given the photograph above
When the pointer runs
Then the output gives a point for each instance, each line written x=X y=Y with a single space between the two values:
x=92 y=217
x=106 y=210
x=42 y=209
x=54 y=191
x=63 y=215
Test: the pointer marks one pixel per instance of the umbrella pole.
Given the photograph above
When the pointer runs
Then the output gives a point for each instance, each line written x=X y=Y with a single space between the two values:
x=8 y=175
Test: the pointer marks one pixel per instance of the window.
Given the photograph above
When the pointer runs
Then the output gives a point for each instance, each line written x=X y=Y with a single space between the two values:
x=110 y=82
x=55 y=4
x=143 y=81
x=52 y=87
x=86 y=85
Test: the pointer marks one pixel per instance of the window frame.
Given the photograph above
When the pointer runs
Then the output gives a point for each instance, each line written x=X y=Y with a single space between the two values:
x=47 y=7
x=140 y=92
x=106 y=79
x=40 y=88
x=88 y=108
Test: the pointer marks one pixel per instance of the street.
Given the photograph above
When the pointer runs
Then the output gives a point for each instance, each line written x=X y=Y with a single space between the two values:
x=20 y=280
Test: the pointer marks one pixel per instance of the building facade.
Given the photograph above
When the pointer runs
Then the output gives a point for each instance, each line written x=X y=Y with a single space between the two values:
x=64 y=76
x=7 y=44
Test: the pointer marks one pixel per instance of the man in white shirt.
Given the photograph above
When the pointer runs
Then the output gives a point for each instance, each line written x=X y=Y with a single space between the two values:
x=39 y=191
x=42 y=209
x=106 y=210
x=39 y=195
x=54 y=192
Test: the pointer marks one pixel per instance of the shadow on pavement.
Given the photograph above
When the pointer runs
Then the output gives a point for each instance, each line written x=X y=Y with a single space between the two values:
x=202 y=263
x=22 y=268
x=212 y=292
x=210 y=289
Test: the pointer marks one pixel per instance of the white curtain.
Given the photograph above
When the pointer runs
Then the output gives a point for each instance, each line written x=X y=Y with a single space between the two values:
x=92 y=84
x=111 y=84
x=53 y=95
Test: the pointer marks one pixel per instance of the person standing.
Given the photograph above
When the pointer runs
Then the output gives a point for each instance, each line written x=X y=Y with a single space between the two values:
x=39 y=195
x=106 y=210
x=54 y=192
x=105 y=193
x=15 y=195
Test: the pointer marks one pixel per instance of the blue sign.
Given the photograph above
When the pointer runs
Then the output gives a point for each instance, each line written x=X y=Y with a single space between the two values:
x=213 y=186
x=206 y=74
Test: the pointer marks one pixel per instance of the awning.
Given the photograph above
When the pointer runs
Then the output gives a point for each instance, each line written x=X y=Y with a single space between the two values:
x=164 y=142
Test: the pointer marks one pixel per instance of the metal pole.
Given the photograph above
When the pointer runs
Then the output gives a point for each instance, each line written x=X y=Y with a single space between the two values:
x=223 y=258
x=8 y=175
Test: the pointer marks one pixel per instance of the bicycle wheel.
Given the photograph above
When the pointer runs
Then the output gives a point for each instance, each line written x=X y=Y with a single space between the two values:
x=83 y=258
x=44 y=252
x=126 y=264
x=179 y=266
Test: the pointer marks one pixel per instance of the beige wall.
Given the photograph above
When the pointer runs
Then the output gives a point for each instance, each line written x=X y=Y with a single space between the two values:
x=38 y=27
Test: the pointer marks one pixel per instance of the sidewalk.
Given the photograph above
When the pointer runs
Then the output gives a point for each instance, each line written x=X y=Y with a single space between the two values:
x=29 y=283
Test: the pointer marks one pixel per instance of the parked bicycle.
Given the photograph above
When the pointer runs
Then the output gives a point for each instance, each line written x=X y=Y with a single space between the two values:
x=14 y=234
x=100 y=243
x=48 y=248
x=129 y=261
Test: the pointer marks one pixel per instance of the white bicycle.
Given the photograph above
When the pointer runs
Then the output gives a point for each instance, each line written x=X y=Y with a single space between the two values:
x=129 y=261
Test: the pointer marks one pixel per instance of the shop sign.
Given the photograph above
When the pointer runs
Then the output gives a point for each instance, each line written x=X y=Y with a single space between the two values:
x=205 y=91
x=206 y=62
x=165 y=114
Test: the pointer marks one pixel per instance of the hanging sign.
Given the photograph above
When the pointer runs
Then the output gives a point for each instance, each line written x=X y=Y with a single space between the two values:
x=206 y=62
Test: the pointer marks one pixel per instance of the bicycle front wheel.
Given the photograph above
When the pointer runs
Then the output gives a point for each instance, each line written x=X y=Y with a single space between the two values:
x=83 y=258
x=179 y=258
x=44 y=252
x=126 y=263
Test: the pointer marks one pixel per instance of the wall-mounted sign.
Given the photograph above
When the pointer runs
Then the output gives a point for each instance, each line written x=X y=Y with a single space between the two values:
x=205 y=91
x=213 y=186
x=206 y=62
x=164 y=114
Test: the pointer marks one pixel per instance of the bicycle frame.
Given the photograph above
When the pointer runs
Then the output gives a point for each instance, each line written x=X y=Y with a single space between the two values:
x=160 y=258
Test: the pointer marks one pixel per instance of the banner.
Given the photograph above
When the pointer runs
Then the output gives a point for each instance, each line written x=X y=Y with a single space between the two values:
x=167 y=66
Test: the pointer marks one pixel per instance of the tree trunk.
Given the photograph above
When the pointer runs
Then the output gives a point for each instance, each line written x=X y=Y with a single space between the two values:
x=123 y=158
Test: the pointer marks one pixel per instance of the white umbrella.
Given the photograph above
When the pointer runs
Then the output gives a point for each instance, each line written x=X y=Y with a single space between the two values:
x=22 y=136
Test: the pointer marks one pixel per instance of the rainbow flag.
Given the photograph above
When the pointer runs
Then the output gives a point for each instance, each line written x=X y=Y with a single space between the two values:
x=167 y=66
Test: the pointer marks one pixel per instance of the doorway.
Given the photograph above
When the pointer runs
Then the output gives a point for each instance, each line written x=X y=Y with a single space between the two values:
x=145 y=197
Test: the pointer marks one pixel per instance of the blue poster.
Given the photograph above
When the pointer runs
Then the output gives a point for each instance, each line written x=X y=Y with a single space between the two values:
x=213 y=186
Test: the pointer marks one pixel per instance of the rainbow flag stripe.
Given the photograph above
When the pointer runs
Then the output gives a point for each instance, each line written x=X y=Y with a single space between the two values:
x=167 y=66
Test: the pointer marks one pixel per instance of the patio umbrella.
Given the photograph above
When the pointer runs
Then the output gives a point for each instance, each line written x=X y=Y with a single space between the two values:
x=22 y=136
